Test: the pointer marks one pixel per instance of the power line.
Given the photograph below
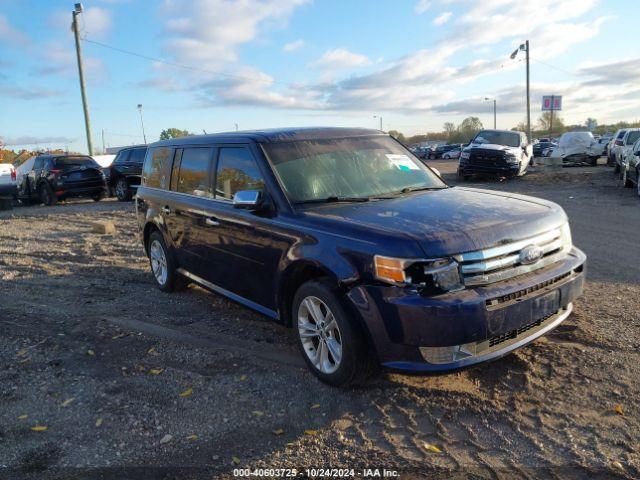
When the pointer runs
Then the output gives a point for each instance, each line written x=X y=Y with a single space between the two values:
x=555 y=68
x=183 y=66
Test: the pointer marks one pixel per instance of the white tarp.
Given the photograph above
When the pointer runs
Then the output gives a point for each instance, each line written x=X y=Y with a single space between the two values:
x=104 y=160
x=574 y=143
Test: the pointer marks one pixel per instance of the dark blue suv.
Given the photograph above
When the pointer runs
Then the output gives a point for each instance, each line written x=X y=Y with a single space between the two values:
x=348 y=238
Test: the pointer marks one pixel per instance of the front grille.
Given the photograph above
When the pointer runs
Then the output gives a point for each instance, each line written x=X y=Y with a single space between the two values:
x=491 y=265
x=526 y=291
x=513 y=334
x=487 y=158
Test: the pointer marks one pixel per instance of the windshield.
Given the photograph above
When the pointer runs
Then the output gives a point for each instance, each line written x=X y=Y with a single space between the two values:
x=498 y=138
x=632 y=137
x=360 y=167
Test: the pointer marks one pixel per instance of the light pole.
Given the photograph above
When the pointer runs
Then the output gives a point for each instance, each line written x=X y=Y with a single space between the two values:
x=525 y=46
x=142 y=123
x=78 y=9
x=380 y=117
x=494 y=111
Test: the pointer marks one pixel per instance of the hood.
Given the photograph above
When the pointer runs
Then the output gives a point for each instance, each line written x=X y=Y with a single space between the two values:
x=491 y=146
x=451 y=220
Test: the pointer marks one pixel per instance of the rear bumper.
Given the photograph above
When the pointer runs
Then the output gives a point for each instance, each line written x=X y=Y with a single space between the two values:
x=409 y=331
x=81 y=190
x=8 y=191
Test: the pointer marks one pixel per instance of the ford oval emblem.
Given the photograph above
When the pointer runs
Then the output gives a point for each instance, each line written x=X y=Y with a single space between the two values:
x=530 y=254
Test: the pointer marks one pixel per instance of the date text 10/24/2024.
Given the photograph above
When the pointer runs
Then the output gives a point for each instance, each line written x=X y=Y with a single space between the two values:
x=315 y=473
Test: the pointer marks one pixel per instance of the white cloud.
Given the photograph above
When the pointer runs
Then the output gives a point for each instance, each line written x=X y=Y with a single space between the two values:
x=293 y=46
x=442 y=18
x=340 y=59
x=10 y=34
x=422 y=6
x=198 y=34
x=95 y=22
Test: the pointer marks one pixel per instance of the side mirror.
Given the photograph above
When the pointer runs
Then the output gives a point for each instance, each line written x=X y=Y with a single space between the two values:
x=248 y=199
x=619 y=143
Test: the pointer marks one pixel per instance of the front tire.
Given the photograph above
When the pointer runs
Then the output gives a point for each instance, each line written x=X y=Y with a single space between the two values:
x=163 y=265
x=330 y=342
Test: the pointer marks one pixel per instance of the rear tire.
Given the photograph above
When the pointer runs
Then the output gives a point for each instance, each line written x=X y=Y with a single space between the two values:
x=330 y=341
x=97 y=197
x=625 y=180
x=122 y=190
x=46 y=194
x=163 y=265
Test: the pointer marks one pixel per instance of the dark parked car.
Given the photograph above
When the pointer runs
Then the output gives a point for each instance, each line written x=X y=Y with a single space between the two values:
x=440 y=150
x=58 y=177
x=348 y=238
x=125 y=171
x=541 y=147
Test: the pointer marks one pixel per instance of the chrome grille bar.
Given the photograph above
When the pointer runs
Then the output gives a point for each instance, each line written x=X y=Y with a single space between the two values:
x=500 y=263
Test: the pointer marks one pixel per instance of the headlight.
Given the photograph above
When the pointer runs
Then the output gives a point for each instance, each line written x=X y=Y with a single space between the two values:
x=464 y=155
x=441 y=274
x=511 y=158
x=565 y=235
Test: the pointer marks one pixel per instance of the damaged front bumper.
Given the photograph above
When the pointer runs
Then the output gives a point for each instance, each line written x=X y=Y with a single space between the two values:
x=413 y=332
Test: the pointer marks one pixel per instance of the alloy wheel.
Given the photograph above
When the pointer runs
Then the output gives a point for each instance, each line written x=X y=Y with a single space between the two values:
x=158 y=262
x=121 y=187
x=319 y=334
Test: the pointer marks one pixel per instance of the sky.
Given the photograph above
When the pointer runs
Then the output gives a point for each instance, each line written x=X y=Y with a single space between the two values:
x=214 y=65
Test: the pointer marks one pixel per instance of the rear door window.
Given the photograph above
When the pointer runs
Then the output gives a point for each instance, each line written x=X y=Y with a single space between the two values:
x=123 y=157
x=155 y=172
x=137 y=155
x=237 y=170
x=193 y=172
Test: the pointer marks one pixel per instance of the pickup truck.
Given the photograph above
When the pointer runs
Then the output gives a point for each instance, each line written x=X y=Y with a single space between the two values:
x=506 y=153
x=8 y=185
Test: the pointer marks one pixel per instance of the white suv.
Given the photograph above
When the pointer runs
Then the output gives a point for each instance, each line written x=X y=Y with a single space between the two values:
x=625 y=146
x=8 y=185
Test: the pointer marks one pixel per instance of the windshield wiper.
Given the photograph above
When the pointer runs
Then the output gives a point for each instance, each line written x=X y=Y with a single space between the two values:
x=335 y=199
x=419 y=189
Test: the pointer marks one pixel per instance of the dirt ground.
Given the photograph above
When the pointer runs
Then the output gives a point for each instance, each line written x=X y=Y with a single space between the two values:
x=104 y=376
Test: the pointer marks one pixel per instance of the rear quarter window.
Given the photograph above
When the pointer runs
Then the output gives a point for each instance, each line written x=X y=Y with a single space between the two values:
x=155 y=172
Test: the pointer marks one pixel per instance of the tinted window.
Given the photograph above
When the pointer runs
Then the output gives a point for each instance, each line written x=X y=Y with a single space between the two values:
x=38 y=164
x=498 y=138
x=72 y=163
x=193 y=175
x=156 y=165
x=237 y=170
x=123 y=156
x=137 y=155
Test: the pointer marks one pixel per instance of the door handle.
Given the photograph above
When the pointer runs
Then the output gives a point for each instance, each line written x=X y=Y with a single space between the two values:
x=212 y=222
x=166 y=210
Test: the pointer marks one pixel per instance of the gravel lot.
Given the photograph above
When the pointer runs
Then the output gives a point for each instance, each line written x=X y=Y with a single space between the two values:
x=133 y=383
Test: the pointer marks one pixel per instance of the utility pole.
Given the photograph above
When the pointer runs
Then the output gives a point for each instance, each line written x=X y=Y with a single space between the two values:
x=494 y=115
x=528 y=95
x=380 y=117
x=494 y=111
x=551 y=119
x=87 y=122
x=142 y=123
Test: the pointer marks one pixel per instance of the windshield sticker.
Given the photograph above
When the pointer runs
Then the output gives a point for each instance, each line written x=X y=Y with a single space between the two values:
x=402 y=162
